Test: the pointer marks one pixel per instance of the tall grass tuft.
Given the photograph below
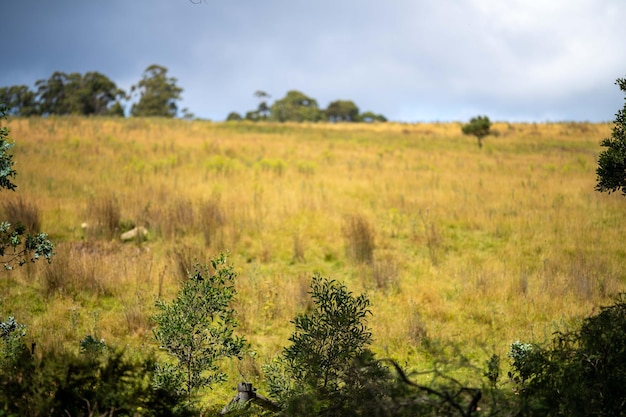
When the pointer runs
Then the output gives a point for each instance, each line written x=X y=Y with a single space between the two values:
x=212 y=220
x=21 y=211
x=104 y=215
x=176 y=219
x=75 y=269
x=182 y=216
x=298 y=248
x=185 y=257
x=137 y=320
x=416 y=331
x=358 y=234
x=385 y=274
x=434 y=240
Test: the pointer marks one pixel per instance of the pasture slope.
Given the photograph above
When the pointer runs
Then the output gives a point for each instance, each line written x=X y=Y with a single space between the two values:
x=456 y=246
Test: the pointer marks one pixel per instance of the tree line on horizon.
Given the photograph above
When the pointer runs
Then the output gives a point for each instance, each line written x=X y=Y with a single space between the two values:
x=93 y=93
x=298 y=107
x=157 y=95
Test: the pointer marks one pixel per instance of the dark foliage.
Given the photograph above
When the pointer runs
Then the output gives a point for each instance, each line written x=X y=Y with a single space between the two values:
x=582 y=373
x=295 y=107
x=20 y=100
x=611 y=169
x=158 y=94
x=233 y=117
x=479 y=127
x=63 y=383
x=298 y=107
x=90 y=94
x=371 y=117
x=342 y=111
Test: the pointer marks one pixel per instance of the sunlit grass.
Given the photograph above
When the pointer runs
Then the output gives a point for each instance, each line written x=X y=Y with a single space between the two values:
x=468 y=246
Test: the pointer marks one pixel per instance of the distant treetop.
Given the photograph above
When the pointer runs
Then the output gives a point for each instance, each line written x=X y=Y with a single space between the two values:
x=62 y=94
x=298 y=107
x=95 y=94
x=158 y=94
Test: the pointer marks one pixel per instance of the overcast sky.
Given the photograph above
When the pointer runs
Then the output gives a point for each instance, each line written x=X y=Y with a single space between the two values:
x=411 y=60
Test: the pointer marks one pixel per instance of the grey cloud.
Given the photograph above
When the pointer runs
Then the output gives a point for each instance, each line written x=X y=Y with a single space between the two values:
x=426 y=60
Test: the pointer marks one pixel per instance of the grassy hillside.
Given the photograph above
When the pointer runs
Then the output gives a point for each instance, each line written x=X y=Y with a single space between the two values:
x=453 y=244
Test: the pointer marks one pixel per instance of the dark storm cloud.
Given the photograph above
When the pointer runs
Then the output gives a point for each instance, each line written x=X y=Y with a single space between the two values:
x=410 y=60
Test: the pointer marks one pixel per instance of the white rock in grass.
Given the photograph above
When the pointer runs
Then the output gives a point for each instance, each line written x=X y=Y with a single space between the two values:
x=135 y=233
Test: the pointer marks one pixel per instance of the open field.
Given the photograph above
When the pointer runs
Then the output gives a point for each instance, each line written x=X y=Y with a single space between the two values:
x=453 y=244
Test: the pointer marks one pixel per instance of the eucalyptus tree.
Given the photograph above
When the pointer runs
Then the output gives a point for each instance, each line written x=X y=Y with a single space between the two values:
x=158 y=94
x=20 y=100
x=90 y=94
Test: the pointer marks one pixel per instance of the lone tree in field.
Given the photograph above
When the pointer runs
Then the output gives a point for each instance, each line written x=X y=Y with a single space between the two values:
x=478 y=126
x=612 y=161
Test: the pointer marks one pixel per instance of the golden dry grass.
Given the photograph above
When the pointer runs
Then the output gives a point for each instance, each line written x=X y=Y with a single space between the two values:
x=469 y=246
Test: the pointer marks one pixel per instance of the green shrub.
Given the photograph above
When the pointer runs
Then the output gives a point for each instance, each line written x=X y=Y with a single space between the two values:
x=197 y=328
x=328 y=370
x=318 y=371
x=582 y=372
x=99 y=381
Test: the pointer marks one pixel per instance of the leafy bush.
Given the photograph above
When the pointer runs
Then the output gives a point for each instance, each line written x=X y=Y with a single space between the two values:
x=581 y=373
x=329 y=338
x=197 y=328
x=98 y=381
x=11 y=345
x=329 y=370
x=319 y=370
x=7 y=173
